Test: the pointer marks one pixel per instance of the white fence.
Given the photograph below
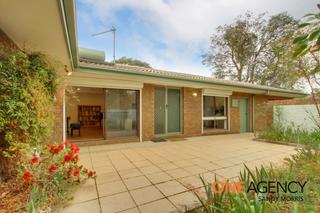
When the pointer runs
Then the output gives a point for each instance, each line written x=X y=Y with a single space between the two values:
x=301 y=116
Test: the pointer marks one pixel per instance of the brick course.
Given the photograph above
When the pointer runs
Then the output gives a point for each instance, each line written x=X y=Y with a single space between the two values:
x=147 y=112
x=192 y=112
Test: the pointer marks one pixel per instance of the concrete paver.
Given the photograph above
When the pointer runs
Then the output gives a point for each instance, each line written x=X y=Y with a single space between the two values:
x=163 y=177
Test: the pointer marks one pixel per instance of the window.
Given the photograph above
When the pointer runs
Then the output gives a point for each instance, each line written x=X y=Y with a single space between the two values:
x=214 y=113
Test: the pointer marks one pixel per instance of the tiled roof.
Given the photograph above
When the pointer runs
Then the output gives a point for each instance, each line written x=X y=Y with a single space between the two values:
x=177 y=75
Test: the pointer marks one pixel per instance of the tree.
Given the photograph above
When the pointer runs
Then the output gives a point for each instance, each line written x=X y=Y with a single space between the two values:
x=307 y=53
x=251 y=49
x=134 y=62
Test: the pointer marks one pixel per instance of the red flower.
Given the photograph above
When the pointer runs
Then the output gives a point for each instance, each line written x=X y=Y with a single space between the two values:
x=76 y=157
x=61 y=146
x=35 y=159
x=52 y=168
x=68 y=174
x=26 y=176
x=68 y=157
x=76 y=172
x=67 y=142
x=55 y=150
x=74 y=148
x=90 y=173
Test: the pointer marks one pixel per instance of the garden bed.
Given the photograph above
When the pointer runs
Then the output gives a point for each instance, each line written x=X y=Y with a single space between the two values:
x=279 y=142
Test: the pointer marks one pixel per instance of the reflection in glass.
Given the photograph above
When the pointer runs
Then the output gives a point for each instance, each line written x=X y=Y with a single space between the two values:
x=122 y=113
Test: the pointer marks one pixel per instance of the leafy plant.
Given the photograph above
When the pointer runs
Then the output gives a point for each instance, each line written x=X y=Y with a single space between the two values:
x=305 y=165
x=291 y=134
x=309 y=41
x=28 y=84
x=50 y=172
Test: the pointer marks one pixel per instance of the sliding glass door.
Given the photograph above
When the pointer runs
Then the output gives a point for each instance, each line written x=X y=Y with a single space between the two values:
x=167 y=111
x=122 y=110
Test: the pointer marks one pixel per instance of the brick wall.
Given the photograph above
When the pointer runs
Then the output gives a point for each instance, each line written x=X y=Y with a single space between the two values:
x=261 y=112
x=192 y=112
x=57 y=135
x=295 y=101
x=147 y=112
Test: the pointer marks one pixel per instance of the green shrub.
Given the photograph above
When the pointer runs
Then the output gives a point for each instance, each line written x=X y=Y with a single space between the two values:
x=49 y=172
x=292 y=134
x=27 y=88
x=303 y=166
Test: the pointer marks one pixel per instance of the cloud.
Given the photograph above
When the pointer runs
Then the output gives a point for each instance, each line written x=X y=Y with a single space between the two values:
x=172 y=34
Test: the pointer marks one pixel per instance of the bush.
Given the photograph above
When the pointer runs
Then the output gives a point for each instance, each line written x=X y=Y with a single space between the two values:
x=49 y=173
x=303 y=166
x=290 y=134
x=27 y=88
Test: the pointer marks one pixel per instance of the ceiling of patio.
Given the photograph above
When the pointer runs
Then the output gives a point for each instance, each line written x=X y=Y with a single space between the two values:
x=35 y=25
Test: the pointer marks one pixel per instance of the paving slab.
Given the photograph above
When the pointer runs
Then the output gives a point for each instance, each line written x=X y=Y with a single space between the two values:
x=152 y=177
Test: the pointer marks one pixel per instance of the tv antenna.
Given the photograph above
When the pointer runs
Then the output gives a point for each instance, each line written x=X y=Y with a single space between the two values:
x=113 y=30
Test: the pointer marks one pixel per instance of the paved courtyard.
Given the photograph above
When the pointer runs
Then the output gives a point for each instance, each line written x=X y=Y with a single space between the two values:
x=163 y=177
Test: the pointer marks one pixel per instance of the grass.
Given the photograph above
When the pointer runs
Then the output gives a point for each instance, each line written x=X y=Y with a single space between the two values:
x=291 y=134
x=304 y=166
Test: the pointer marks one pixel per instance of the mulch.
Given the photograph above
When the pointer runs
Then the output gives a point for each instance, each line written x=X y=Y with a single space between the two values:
x=13 y=196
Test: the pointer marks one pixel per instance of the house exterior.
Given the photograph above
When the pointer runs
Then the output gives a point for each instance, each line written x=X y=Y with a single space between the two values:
x=120 y=102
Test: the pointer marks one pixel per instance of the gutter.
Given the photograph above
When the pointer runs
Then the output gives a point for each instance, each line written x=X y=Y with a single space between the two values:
x=67 y=10
x=267 y=91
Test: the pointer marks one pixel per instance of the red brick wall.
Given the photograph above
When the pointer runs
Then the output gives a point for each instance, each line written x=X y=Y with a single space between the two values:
x=192 y=112
x=57 y=135
x=261 y=112
x=147 y=112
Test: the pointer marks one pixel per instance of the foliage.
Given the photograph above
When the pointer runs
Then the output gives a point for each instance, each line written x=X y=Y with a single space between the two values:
x=252 y=49
x=306 y=52
x=292 y=134
x=50 y=172
x=309 y=41
x=27 y=88
x=303 y=166
x=134 y=62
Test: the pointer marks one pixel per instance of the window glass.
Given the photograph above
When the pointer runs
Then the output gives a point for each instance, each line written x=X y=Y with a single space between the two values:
x=220 y=106
x=214 y=113
x=208 y=106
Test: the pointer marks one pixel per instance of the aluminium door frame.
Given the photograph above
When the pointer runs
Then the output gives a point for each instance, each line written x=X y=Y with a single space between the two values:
x=166 y=112
x=247 y=114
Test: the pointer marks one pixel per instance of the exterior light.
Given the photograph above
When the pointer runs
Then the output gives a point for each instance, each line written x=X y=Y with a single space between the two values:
x=67 y=71
x=78 y=88
x=195 y=94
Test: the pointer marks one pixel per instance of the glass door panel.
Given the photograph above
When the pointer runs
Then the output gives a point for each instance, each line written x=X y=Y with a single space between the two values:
x=159 y=110
x=122 y=113
x=173 y=107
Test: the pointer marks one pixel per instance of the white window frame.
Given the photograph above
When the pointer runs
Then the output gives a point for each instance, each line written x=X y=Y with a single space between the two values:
x=212 y=118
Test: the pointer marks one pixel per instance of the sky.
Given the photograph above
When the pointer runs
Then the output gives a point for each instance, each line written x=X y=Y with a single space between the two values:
x=169 y=34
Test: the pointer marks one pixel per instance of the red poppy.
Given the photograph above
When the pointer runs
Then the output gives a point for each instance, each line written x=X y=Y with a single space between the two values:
x=26 y=176
x=90 y=173
x=68 y=157
x=52 y=168
x=76 y=172
x=35 y=159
